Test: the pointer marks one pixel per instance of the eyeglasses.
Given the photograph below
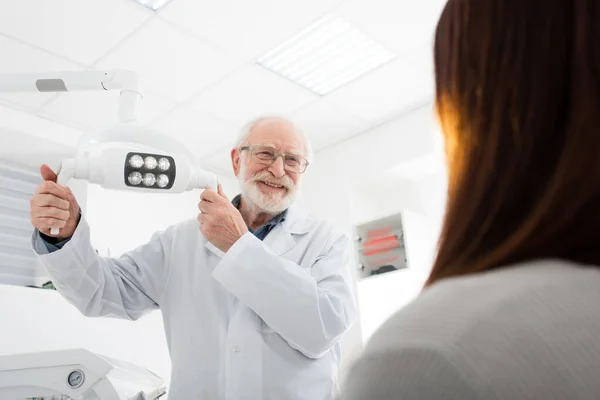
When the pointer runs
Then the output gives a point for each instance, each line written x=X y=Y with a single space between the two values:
x=267 y=156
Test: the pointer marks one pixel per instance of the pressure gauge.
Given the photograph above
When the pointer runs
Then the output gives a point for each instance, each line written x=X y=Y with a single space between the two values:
x=76 y=378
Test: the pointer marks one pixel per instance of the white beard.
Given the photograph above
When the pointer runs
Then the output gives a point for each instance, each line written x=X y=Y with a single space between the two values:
x=271 y=204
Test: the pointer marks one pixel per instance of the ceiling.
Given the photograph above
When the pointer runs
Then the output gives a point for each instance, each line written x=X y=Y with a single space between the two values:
x=196 y=61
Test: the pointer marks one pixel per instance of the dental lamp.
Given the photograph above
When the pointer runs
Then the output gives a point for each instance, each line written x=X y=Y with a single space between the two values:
x=127 y=156
x=75 y=374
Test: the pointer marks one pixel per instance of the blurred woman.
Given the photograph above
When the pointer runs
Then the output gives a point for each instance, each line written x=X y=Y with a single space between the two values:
x=511 y=309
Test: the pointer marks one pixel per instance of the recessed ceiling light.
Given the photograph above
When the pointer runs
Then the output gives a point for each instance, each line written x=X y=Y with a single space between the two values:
x=154 y=5
x=326 y=55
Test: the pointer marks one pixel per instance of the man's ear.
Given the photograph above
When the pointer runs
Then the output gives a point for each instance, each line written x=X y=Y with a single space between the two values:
x=236 y=160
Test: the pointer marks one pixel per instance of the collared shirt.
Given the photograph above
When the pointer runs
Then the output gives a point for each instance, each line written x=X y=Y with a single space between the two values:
x=264 y=230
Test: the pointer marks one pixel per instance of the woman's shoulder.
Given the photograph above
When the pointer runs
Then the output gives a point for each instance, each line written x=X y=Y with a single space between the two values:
x=461 y=334
x=447 y=311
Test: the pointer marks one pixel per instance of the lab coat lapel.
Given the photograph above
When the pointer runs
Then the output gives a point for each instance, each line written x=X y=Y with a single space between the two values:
x=280 y=240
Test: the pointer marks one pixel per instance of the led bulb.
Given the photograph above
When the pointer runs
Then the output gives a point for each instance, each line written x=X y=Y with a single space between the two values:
x=135 y=178
x=164 y=164
x=136 y=161
x=149 y=179
x=162 y=180
x=150 y=162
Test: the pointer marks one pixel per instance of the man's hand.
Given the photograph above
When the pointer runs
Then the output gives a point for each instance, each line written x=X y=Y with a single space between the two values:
x=54 y=206
x=220 y=222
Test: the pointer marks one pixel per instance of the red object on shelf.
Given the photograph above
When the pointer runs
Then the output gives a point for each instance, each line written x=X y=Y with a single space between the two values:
x=376 y=233
x=381 y=240
x=388 y=260
x=380 y=250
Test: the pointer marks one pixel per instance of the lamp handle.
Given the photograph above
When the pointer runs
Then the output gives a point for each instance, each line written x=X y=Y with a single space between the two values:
x=67 y=171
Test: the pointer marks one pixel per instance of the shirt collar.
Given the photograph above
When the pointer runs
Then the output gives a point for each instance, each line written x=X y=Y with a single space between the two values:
x=274 y=221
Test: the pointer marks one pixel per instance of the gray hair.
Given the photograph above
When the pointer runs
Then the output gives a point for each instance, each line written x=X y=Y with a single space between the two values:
x=242 y=139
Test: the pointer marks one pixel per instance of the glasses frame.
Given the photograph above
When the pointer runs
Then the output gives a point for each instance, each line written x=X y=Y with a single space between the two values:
x=275 y=157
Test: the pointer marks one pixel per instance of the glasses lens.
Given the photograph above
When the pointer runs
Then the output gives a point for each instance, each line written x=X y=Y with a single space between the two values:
x=295 y=163
x=264 y=153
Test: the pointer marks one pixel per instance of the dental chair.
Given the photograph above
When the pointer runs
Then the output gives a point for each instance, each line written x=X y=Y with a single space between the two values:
x=75 y=374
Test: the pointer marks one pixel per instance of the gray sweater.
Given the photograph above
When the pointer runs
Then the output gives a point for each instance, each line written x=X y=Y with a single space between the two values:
x=525 y=332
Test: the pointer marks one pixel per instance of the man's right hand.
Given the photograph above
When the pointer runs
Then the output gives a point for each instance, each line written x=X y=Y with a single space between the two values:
x=54 y=206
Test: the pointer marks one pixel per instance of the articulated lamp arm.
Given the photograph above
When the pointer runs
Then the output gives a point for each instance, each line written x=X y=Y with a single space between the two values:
x=73 y=81
x=109 y=164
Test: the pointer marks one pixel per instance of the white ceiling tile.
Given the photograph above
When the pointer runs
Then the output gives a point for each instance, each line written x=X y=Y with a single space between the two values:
x=82 y=31
x=38 y=126
x=98 y=110
x=169 y=61
x=245 y=28
x=251 y=92
x=396 y=24
x=325 y=124
x=22 y=58
x=203 y=134
x=385 y=92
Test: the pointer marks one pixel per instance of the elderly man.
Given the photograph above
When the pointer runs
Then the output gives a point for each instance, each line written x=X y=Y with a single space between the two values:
x=255 y=294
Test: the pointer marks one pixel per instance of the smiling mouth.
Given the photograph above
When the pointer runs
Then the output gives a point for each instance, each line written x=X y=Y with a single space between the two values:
x=273 y=185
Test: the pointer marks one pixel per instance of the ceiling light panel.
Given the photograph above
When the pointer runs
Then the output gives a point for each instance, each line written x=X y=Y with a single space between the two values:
x=153 y=5
x=326 y=55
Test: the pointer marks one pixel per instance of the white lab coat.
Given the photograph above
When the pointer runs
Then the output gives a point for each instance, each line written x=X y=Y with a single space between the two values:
x=262 y=321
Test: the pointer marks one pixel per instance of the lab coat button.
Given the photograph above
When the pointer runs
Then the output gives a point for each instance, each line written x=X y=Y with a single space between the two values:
x=236 y=349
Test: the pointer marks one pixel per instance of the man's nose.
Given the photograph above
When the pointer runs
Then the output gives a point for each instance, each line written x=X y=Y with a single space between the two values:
x=278 y=168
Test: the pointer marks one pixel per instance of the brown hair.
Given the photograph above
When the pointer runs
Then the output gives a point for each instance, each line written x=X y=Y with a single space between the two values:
x=518 y=97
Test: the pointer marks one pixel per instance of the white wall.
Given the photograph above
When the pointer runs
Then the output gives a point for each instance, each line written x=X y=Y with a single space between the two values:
x=381 y=296
x=365 y=156
x=348 y=184
x=121 y=220
x=421 y=233
x=40 y=320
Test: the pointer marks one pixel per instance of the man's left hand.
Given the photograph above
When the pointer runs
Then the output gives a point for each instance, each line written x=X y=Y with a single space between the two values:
x=220 y=222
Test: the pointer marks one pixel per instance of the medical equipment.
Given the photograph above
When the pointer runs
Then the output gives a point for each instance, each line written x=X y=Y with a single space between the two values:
x=127 y=156
x=75 y=374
